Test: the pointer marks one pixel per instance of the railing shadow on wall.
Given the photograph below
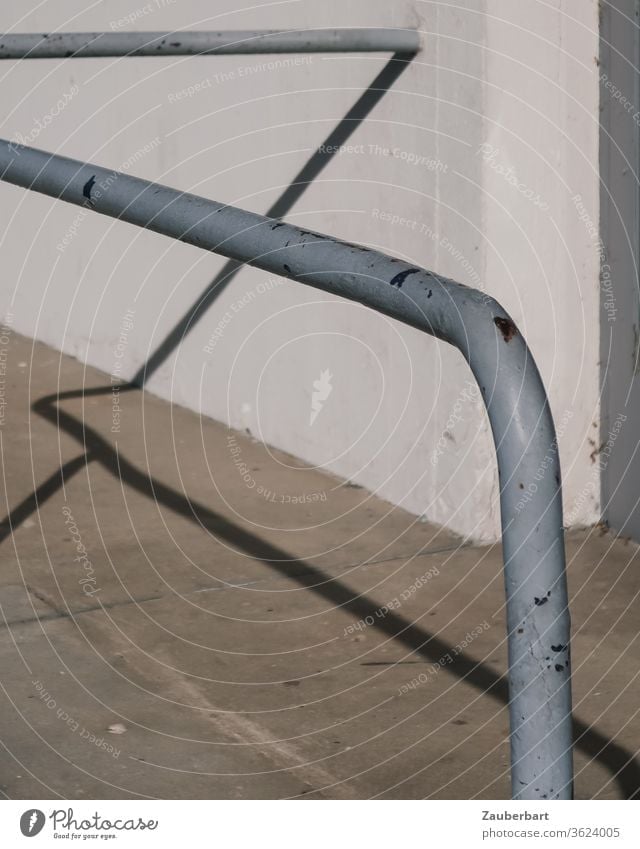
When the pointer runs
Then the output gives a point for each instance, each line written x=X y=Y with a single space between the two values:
x=539 y=695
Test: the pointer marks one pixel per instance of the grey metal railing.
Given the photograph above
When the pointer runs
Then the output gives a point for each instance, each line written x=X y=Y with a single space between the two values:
x=538 y=621
x=60 y=45
x=537 y=606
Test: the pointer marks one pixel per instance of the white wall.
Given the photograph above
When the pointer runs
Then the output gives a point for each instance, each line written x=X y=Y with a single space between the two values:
x=401 y=418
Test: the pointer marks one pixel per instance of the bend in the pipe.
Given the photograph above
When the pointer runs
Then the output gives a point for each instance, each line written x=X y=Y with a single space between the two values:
x=519 y=413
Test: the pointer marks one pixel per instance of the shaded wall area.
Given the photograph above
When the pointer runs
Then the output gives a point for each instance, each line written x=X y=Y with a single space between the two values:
x=617 y=453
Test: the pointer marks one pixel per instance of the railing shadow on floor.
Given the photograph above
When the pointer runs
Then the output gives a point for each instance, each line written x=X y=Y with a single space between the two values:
x=619 y=762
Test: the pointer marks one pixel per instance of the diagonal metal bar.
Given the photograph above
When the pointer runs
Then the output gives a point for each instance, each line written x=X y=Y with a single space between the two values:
x=537 y=604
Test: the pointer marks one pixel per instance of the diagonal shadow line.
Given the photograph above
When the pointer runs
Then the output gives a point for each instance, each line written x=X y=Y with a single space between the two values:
x=619 y=761
x=318 y=161
x=43 y=493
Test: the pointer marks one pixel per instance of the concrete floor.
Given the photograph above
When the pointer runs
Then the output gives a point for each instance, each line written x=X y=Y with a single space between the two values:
x=221 y=627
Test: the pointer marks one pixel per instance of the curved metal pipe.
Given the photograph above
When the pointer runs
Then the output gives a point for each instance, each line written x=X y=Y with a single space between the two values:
x=528 y=463
x=78 y=45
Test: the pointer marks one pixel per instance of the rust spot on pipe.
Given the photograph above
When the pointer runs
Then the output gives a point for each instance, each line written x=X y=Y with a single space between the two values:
x=506 y=327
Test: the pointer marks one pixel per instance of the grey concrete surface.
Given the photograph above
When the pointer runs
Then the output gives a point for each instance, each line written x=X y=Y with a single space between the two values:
x=222 y=627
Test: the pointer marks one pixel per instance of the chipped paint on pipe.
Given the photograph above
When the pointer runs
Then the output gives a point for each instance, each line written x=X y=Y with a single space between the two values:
x=533 y=547
x=78 y=45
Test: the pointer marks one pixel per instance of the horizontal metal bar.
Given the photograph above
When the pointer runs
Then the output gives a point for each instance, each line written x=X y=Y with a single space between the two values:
x=528 y=464
x=78 y=45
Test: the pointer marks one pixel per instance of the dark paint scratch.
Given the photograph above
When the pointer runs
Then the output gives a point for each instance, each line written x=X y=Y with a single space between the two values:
x=86 y=190
x=399 y=279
